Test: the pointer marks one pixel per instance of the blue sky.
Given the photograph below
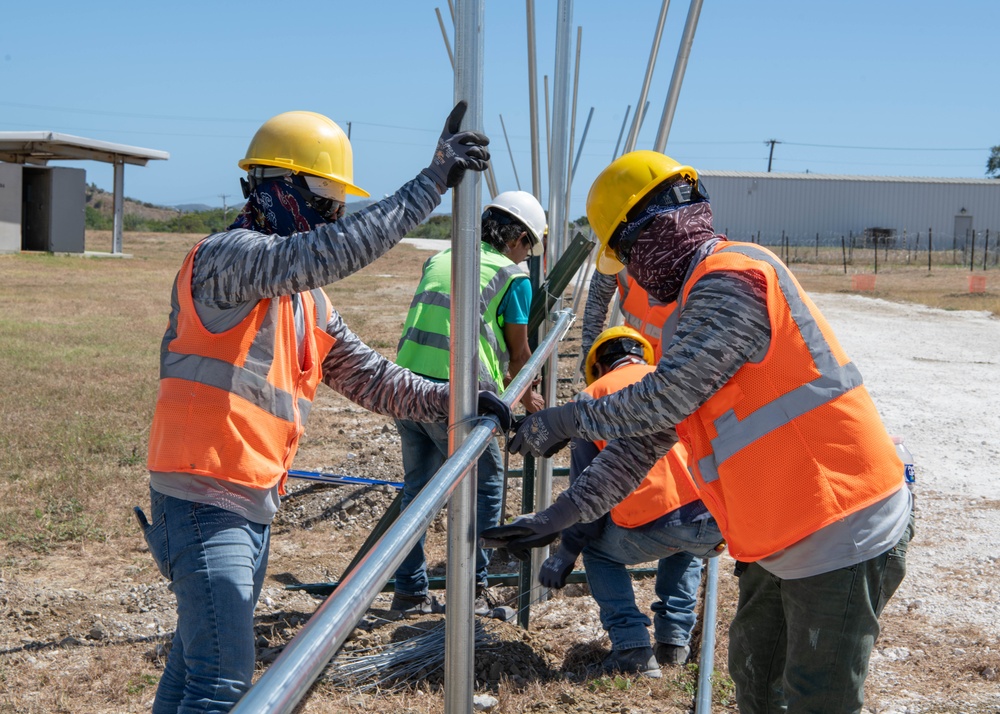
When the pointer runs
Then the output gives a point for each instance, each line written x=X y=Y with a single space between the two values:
x=886 y=87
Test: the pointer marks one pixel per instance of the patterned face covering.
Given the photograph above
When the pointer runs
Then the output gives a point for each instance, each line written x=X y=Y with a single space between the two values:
x=662 y=253
x=276 y=208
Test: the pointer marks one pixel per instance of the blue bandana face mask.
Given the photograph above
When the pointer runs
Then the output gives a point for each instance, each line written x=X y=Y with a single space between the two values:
x=276 y=208
x=668 y=198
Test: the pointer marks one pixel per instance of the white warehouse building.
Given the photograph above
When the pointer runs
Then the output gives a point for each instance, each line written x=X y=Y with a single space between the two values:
x=800 y=206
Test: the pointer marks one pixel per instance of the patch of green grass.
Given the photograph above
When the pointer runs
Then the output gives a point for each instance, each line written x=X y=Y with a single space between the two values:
x=139 y=684
x=616 y=683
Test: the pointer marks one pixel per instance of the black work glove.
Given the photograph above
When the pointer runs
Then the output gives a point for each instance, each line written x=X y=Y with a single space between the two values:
x=489 y=403
x=545 y=432
x=556 y=568
x=533 y=530
x=457 y=151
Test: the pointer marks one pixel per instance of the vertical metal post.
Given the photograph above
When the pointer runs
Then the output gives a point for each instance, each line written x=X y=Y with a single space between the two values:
x=680 y=65
x=119 y=202
x=633 y=135
x=572 y=121
x=536 y=167
x=459 y=671
x=558 y=170
x=707 y=664
x=548 y=129
x=559 y=164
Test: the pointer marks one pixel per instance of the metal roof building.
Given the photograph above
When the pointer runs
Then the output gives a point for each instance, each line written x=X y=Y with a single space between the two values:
x=802 y=205
x=36 y=200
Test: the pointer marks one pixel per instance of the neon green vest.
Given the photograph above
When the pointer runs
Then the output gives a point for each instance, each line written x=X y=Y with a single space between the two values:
x=425 y=344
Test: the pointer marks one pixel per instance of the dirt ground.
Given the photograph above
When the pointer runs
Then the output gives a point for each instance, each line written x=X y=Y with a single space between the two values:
x=86 y=629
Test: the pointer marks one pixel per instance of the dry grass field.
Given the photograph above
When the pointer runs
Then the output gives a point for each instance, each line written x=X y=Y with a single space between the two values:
x=85 y=617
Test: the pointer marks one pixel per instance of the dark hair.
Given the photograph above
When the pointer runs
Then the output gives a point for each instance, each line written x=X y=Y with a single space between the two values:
x=500 y=229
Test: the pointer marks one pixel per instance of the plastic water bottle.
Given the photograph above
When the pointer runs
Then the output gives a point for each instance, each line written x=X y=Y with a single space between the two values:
x=909 y=472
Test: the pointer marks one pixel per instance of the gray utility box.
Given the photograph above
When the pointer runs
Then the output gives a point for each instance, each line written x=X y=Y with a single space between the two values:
x=53 y=209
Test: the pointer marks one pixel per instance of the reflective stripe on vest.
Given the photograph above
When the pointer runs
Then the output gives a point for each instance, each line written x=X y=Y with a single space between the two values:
x=494 y=356
x=833 y=381
x=233 y=404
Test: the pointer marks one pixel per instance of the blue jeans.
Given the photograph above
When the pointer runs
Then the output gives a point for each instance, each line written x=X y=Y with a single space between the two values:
x=803 y=645
x=425 y=449
x=215 y=561
x=679 y=551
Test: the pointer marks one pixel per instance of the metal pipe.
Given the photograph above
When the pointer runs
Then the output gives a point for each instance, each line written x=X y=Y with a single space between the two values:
x=548 y=130
x=444 y=34
x=286 y=681
x=677 y=78
x=511 y=153
x=583 y=139
x=621 y=131
x=459 y=675
x=536 y=168
x=707 y=663
x=341 y=479
x=572 y=121
x=633 y=135
x=559 y=165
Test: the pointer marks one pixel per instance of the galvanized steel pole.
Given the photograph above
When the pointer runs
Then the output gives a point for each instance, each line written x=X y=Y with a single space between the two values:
x=459 y=673
x=633 y=135
x=677 y=78
x=119 y=202
x=707 y=664
x=286 y=681
x=572 y=122
x=536 y=167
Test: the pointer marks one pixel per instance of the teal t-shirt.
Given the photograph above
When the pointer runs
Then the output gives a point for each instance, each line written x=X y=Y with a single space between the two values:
x=514 y=306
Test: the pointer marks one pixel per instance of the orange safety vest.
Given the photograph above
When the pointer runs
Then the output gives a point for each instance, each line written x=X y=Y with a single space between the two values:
x=232 y=405
x=792 y=442
x=641 y=312
x=668 y=485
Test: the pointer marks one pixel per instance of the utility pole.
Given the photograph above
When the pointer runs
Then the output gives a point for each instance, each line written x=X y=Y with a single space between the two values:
x=225 y=209
x=770 y=156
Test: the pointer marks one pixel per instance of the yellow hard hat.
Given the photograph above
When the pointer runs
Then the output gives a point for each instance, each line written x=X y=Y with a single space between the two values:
x=642 y=349
x=307 y=143
x=619 y=188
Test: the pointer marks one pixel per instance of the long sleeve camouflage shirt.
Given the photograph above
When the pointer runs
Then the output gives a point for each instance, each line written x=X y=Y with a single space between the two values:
x=235 y=269
x=723 y=324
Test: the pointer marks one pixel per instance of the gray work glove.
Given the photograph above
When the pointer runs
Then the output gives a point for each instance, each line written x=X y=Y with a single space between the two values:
x=533 y=530
x=556 y=568
x=490 y=404
x=457 y=151
x=545 y=432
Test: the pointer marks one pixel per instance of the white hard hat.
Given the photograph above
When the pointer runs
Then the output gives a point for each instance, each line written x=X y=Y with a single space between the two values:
x=528 y=211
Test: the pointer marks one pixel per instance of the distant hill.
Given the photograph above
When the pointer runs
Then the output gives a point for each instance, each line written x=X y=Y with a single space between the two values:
x=104 y=203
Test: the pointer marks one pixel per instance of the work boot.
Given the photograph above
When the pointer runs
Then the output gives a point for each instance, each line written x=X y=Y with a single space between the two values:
x=671 y=655
x=413 y=605
x=638 y=660
x=487 y=606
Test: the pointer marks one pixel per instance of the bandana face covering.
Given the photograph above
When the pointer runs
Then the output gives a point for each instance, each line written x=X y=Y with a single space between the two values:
x=663 y=251
x=276 y=208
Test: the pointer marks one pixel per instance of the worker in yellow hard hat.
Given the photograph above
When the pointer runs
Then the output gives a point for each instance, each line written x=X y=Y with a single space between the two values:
x=251 y=334
x=663 y=520
x=786 y=447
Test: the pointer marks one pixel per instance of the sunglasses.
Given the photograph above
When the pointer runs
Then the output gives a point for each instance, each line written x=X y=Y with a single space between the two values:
x=671 y=197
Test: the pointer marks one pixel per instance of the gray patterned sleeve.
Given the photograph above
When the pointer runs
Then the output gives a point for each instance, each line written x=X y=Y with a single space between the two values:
x=370 y=380
x=723 y=324
x=242 y=266
x=595 y=312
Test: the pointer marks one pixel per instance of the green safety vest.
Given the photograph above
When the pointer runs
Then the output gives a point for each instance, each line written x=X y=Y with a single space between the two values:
x=425 y=344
